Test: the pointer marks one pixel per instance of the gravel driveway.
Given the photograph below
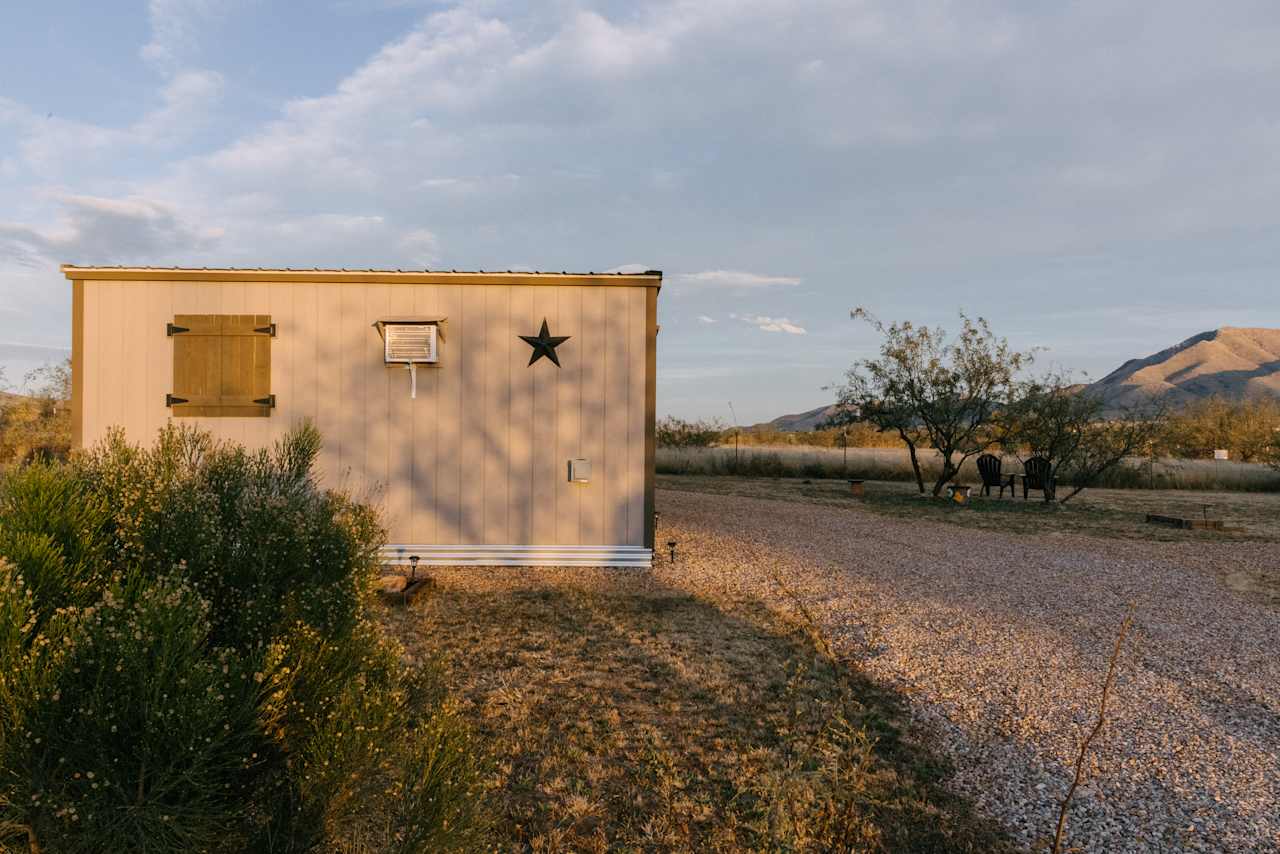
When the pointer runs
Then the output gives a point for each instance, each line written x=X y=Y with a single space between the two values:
x=1002 y=644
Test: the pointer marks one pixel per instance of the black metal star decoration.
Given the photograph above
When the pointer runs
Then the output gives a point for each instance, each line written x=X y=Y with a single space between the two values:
x=544 y=344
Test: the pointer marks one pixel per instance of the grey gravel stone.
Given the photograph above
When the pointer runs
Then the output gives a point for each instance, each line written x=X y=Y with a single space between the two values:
x=1001 y=643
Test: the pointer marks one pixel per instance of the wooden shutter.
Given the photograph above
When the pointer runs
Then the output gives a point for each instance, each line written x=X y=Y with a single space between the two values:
x=221 y=365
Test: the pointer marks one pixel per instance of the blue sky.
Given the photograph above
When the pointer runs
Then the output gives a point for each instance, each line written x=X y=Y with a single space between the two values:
x=1098 y=178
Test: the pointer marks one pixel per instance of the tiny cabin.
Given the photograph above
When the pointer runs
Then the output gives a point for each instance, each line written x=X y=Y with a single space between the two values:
x=494 y=418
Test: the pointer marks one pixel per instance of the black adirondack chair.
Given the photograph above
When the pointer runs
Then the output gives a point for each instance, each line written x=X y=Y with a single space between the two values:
x=1036 y=476
x=989 y=468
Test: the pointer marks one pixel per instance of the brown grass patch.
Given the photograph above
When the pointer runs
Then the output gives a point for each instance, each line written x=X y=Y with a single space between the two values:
x=624 y=715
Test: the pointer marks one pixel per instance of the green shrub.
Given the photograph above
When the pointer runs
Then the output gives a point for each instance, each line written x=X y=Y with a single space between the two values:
x=189 y=660
x=53 y=532
x=143 y=730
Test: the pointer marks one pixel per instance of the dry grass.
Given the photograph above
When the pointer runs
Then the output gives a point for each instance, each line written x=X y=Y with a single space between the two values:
x=1095 y=512
x=626 y=715
x=894 y=464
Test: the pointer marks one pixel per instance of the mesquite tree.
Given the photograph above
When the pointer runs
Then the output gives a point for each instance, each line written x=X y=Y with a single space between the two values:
x=1053 y=418
x=934 y=391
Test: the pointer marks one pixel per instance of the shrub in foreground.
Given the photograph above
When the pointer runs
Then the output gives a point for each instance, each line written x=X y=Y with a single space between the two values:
x=189 y=661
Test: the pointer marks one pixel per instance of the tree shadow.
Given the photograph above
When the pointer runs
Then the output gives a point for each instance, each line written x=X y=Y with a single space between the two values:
x=641 y=716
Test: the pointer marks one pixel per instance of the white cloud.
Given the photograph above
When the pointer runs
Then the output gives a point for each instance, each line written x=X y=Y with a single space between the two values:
x=737 y=279
x=176 y=26
x=702 y=318
x=567 y=134
x=102 y=231
x=52 y=148
x=592 y=44
x=186 y=104
x=771 y=324
x=423 y=246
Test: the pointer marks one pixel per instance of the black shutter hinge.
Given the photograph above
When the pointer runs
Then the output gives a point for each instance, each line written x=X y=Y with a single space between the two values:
x=269 y=329
x=170 y=400
x=172 y=329
x=269 y=400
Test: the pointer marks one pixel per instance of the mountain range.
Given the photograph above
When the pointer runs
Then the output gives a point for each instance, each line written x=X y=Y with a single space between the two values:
x=1232 y=362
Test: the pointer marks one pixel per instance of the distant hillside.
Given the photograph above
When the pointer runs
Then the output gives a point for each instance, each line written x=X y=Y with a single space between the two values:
x=1229 y=362
x=800 y=422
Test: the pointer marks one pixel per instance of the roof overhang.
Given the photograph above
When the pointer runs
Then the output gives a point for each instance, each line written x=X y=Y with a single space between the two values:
x=650 y=278
x=421 y=319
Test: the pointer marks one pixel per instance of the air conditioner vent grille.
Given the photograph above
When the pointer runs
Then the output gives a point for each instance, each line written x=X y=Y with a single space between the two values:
x=407 y=343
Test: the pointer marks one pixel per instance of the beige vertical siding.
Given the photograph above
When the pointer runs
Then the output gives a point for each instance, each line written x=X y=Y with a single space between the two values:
x=329 y=371
x=91 y=358
x=469 y=418
x=616 y=477
x=568 y=412
x=544 y=429
x=299 y=402
x=448 y=421
x=480 y=457
x=520 y=445
x=425 y=423
x=591 y=414
x=376 y=380
x=636 y=311
x=353 y=414
x=113 y=330
x=496 y=407
x=158 y=311
x=400 y=408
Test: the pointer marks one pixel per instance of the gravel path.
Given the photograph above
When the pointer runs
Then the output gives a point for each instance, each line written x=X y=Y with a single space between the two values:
x=1002 y=644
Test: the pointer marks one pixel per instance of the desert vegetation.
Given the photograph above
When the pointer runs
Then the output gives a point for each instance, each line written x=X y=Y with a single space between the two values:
x=942 y=401
x=1047 y=419
x=36 y=424
x=892 y=464
x=1249 y=430
x=190 y=661
x=935 y=391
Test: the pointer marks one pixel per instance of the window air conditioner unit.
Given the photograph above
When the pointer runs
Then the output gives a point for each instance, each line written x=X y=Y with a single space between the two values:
x=411 y=341
x=410 y=344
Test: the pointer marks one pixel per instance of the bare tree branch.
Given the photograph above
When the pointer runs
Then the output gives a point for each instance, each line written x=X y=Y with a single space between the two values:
x=1107 y=685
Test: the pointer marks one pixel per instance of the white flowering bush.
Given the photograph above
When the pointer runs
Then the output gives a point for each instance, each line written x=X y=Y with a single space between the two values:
x=137 y=729
x=188 y=661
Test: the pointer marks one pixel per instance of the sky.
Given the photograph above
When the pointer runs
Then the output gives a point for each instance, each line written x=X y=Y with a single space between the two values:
x=1099 y=179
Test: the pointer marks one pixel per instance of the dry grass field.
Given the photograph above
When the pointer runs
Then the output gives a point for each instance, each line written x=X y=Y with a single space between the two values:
x=627 y=715
x=893 y=464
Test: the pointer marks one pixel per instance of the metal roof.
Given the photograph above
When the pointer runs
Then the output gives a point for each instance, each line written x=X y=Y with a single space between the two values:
x=350 y=274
